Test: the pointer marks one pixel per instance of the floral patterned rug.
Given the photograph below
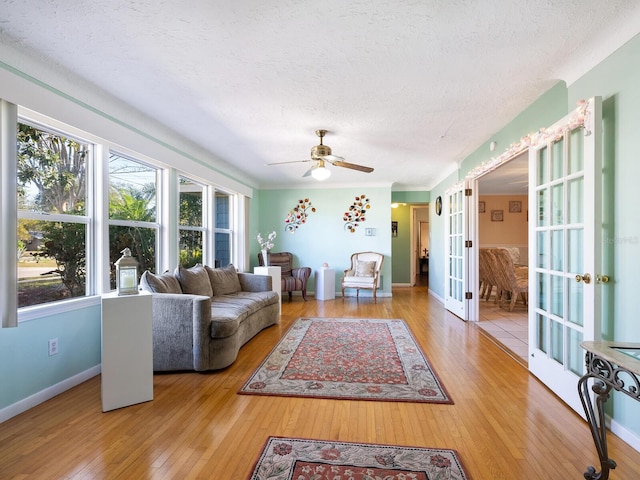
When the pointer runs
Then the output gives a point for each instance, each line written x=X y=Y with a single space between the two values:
x=299 y=459
x=358 y=359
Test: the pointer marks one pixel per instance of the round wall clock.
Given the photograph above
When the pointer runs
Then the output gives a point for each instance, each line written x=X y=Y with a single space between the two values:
x=439 y=206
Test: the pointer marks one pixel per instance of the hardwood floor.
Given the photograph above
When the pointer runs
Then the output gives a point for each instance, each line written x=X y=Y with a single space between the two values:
x=504 y=423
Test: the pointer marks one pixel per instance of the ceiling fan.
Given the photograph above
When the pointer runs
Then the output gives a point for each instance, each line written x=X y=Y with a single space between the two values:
x=321 y=154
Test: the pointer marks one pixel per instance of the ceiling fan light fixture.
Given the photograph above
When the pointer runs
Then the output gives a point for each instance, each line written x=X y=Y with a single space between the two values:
x=320 y=173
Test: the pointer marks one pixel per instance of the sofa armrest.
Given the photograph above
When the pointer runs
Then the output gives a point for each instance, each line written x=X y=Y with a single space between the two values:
x=250 y=282
x=181 y=331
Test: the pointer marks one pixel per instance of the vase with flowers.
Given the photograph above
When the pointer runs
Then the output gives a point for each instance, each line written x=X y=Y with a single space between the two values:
x=266 y=245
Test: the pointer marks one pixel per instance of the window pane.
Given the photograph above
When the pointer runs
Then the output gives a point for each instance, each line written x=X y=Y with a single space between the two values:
x=190 y=203
x=190 y=248
x=52 y=263
x=51 y=171
x=222 y=249
x=133 y=187
x=223 y=211
x=142 y=243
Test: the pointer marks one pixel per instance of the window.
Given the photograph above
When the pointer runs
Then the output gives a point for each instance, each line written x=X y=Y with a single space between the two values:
x=191 y=229
x=223 y=229
x=133 y=189
x=53 y=215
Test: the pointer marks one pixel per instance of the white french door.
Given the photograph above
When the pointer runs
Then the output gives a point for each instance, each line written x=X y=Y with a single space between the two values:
x=456 y=236
x=565 y=249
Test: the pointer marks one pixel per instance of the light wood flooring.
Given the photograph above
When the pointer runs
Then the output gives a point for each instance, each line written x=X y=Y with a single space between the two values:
x=505 y=425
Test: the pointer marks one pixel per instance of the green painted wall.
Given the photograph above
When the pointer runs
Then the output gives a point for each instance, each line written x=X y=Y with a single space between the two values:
x=323 y=238
x=401 y=245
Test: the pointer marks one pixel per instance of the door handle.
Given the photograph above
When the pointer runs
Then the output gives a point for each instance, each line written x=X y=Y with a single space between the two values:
x=586 y=278
x=602 y=279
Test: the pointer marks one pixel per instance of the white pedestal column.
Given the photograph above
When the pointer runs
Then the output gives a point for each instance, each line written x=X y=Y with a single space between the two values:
x=276 y=282
x=325 y=284
x=127 y=350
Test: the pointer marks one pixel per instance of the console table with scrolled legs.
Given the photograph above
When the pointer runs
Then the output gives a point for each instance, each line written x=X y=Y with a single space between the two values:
x=612 y=366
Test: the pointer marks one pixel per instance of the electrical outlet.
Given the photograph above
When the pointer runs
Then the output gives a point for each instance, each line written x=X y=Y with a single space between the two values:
x=53 y=346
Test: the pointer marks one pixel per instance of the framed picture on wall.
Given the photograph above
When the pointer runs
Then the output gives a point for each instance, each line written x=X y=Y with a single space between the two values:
x=515 y=206
x=481 y=207
x=394 y=229
x=497 y=215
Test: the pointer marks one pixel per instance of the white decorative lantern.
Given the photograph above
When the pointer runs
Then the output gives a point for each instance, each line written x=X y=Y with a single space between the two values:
x=127 y=274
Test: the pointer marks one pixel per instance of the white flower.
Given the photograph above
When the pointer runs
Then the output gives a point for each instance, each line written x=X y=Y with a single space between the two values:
x=268 y=243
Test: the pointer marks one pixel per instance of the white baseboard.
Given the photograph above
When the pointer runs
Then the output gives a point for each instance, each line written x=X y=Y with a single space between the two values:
x=47 y=394
x=436 y=296
x=625 y=435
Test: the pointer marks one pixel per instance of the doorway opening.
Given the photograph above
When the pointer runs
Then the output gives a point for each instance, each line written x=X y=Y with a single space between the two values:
x=503 y=224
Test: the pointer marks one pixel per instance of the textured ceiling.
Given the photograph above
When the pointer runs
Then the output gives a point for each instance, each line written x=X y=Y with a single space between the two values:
x=407 y=87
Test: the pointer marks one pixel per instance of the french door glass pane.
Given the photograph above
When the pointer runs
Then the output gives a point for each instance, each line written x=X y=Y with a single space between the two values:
x=541 y=333
x=575 y=310
x=576 y=151
x=557 y=340
x=557 y=205
x=575 y=354
x=575 y=252
x=557 y=295
x=541 y=167
x=575 y=187
x=542 y=250
x=542 y=208
x=557 y=250
x=542 y=290
x=557 y=159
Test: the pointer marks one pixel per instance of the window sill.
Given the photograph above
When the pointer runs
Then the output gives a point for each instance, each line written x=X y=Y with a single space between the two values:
x=35 y=312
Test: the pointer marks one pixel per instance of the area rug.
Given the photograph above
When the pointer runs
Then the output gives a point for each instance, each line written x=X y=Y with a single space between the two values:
x=299 y=459
x=357 y=359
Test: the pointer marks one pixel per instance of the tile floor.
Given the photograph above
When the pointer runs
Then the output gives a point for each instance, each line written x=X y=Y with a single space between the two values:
x=508 y=329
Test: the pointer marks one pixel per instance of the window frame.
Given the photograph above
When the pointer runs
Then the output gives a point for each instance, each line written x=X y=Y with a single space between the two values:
x=56 y=128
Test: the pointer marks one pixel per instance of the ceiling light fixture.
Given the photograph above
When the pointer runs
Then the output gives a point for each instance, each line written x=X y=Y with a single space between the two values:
x=320 y=172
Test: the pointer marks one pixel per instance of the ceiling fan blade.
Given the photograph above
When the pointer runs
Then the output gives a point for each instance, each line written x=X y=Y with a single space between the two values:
x=353 y=166
x=332 y=158
x=292 y=161
x=308 y=172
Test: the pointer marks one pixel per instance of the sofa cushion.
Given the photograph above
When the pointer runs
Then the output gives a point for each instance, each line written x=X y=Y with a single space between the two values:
x=194 y=280
x=163 y=283
x=224 y=280
x=365 y=268
x=229 y=311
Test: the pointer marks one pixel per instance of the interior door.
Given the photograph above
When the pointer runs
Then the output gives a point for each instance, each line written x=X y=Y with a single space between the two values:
x=455 y=209
x=565 y=249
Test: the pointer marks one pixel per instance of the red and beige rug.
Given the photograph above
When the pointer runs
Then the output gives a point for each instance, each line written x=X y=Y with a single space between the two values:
x=357 y=359
x=292 y=458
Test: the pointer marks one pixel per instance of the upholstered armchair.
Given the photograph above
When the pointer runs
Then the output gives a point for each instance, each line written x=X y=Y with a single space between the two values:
x=363 y=273
x=292 y=279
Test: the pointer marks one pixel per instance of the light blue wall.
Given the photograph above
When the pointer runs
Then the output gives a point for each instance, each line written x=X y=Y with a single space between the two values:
x=25 y=365
x=323 y=237
x=616 y=80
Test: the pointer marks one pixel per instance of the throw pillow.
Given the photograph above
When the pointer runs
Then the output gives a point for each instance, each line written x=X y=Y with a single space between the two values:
x=164 y=283
x=224 y=280
x=365 y=269
x=194 y=280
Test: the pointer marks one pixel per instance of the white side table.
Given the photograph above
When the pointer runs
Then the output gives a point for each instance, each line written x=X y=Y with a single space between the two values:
x=127 y=350
x=325 y=284
x=276 y=283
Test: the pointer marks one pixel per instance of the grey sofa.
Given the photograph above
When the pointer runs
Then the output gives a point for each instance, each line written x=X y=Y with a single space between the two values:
x=203 y=315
